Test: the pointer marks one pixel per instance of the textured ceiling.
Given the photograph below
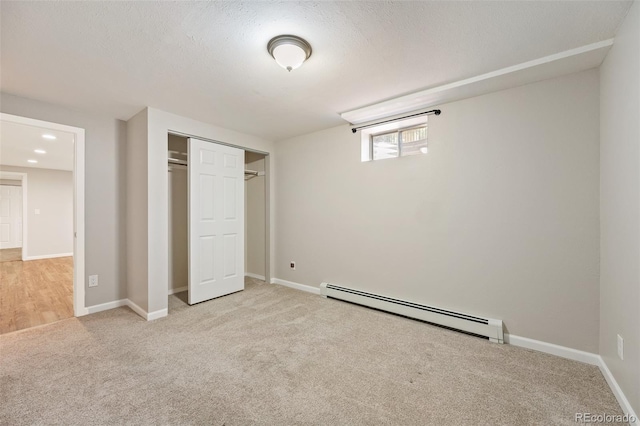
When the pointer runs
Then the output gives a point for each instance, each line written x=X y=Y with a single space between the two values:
x=208 y=60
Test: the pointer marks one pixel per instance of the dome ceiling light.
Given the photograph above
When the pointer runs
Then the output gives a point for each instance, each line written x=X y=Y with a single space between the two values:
x=289 y=51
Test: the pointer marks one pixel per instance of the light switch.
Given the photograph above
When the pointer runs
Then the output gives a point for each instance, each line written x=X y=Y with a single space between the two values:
x=37 y=211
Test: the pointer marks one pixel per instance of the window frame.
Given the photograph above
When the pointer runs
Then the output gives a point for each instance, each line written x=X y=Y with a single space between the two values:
x=399 y=132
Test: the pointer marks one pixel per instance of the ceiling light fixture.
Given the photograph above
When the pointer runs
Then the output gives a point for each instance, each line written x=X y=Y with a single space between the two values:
x=289 y=51
x=39 y=151
x=47 y=136
x=32 y=161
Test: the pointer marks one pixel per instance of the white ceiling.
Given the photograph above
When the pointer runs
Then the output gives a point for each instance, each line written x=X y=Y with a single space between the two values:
x=208 y=60
x=19 y=141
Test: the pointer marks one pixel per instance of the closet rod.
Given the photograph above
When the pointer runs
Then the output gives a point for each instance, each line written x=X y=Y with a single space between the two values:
x=178 y=161
x=185 y=163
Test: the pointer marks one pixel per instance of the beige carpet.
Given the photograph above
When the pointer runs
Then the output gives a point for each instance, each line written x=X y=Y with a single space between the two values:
x=275 y=356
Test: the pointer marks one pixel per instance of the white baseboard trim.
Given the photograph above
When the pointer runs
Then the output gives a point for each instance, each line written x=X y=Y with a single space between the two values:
x=137 y=309
x=178 y=290
x=297 y=286
x=106 y=306
x=617 y=392
x=577 y=355
x=81 y=312
x=48 y=256
x=149 y=316
x=161 y=313
x=256 y=276
x=550 y=348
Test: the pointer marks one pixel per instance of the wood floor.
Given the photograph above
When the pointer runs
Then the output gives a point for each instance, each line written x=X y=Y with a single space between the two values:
x=35 y=292
x=10 y=255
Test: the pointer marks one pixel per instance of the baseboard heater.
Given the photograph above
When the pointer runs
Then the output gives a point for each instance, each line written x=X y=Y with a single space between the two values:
x=491 y=328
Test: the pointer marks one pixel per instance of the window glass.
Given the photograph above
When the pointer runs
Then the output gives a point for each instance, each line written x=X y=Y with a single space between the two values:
x=384 y=146
x=403 y=142
x=414 y=141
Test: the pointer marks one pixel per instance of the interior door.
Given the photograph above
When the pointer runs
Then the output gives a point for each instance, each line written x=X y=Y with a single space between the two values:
x=10 y=216
x=216 y=220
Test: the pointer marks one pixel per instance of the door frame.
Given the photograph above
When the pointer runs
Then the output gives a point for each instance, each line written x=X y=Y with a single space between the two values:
x=79 y=304
x=267 y=176
x=22 y=177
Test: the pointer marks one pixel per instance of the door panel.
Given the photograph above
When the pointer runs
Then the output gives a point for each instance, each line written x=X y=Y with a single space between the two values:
x=230 y=190
x=216 y=220
x=10 y=216
x=5 y=233
x=230 y=261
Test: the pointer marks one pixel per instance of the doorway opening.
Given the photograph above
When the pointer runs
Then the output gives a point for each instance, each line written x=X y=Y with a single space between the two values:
x=41 y=222
x=13 y=197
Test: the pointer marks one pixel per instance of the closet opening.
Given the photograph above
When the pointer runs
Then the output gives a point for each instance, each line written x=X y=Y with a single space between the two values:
x=178 y=217
x=255 y=218
x=255 y=190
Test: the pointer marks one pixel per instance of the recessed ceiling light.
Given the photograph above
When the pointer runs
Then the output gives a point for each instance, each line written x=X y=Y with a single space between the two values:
x=424 y=150
x=39 y=151
x=47 y=136
x=32 y=161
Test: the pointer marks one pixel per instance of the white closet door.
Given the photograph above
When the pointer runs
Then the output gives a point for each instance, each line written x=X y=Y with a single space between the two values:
x=216 y=220
x=10 y=216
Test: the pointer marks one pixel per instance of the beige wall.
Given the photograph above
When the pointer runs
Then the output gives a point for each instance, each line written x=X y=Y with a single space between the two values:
x=137 y=204
x=620 y=206
x=500 y=219
x=105 y=141
x=255 y=219
x=51 y=192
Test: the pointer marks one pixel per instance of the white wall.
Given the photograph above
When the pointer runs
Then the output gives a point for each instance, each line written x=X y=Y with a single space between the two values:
x=620 y=206
x=500 y=219
x=51 y=192
x=255 y=220
x=105 y=190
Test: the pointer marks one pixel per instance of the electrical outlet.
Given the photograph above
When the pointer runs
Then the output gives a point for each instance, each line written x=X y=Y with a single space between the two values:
x=93 y=281
x=620 y=347
x=292 y=265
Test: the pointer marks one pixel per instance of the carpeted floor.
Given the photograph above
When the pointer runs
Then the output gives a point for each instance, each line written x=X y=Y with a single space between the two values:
x=276 y=356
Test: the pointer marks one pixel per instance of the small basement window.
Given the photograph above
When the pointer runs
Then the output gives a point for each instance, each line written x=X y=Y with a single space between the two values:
x=393 y=140
x=399 y=143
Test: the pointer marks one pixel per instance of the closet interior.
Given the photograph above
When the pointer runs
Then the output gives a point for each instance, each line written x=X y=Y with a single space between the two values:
x=178 y=214
x=254 y=223
x=255 y=215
